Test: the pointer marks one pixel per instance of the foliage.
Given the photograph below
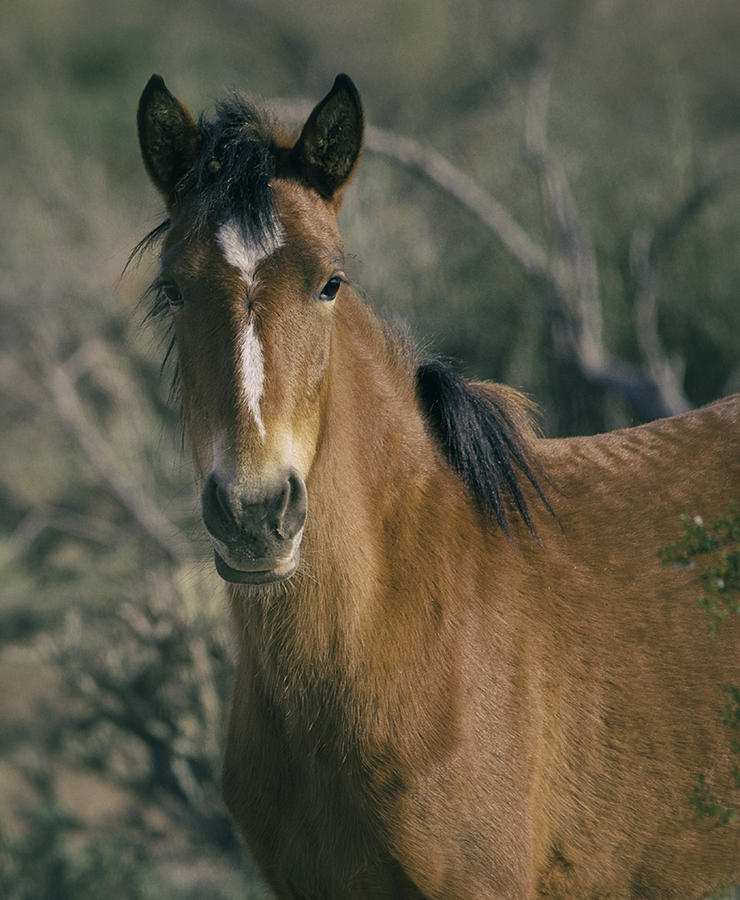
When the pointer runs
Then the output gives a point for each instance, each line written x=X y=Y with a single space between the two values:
x=717 y=546
x=44 y=862
x=146 y=716
x=720 y=543
x=150 y=712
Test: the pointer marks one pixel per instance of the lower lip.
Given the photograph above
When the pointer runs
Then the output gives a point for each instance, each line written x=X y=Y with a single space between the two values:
x=263 y=576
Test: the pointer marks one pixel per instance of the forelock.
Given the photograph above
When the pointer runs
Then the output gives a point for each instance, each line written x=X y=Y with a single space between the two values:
x=231 y=179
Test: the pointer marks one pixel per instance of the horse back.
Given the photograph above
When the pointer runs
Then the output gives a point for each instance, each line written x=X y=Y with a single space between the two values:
x=630 y=486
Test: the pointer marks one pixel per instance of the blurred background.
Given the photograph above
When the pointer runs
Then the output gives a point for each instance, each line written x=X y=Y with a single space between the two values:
x=549 y=196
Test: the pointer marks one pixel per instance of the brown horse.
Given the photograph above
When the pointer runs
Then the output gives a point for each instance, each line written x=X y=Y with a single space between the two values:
x=462 y=670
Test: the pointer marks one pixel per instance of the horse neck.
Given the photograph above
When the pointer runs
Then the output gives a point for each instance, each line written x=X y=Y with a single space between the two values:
x=340 y=623
x=374 y=455
x=374 y=441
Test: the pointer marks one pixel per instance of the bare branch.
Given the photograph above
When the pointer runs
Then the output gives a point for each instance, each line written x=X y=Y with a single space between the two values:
x=571 y=276
x=460 y=186
x=450 y=179
x=659 y=391
x=666 y=373
x=574 y=271
x=146 y=514
x=646 y=247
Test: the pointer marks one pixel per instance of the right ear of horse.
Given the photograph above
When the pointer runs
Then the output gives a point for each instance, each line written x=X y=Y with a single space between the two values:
x=168 y=137
x=328 y=149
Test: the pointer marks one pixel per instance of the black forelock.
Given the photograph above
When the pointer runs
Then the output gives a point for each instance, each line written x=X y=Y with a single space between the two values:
x=231 y=176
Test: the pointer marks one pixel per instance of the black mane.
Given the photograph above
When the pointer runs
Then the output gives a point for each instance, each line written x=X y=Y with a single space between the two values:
x=481 y=441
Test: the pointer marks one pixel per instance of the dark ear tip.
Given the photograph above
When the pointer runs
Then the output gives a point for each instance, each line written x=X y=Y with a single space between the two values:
x=344 y=83
x=155 y=85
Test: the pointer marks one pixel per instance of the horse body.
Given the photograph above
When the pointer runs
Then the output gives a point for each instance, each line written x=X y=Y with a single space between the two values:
x=643 y=672
x=426 y=705
x=512 y=719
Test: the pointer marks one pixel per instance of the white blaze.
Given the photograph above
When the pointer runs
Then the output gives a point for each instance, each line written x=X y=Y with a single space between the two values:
x=253 y=373
x=242 y=254
x=246 y=256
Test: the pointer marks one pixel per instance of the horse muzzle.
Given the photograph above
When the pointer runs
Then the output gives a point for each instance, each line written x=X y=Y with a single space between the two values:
x=256 y=538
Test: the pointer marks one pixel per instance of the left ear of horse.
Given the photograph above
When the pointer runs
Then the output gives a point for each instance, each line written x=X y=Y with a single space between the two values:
x=329 y=147
x=168 y=137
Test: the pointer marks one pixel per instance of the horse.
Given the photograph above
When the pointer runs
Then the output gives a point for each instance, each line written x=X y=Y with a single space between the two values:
x=462 y=670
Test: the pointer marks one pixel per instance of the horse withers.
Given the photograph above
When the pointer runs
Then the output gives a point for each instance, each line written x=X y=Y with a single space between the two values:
x=462 y=670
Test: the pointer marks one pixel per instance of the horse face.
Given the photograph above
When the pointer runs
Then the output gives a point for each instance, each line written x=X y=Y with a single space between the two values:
x=253 y=322
x=252 y=300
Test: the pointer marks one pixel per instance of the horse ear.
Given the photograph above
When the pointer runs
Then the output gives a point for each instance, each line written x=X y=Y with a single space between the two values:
x=168 y=137
x=329 y=147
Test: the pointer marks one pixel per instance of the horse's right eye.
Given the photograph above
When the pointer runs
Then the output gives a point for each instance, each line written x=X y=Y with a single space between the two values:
x=173 y=294
x=331 y=288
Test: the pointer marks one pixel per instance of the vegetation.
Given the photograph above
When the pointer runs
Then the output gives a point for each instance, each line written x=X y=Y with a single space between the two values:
x=715 y=549
x=549 y=195
x=718 y=546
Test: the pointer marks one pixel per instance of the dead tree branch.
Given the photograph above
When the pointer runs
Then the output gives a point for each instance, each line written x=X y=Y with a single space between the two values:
x=36 y=521
x=667 y=373
x=570 y=270
x=574 y=274
x=440 y=171
x=656 y=390
x=70 y=410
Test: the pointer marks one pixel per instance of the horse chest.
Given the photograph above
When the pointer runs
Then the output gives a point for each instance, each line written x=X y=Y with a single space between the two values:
x=304 y=810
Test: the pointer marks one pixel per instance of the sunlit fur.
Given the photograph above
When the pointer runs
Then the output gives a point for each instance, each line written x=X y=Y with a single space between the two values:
x=480 y=682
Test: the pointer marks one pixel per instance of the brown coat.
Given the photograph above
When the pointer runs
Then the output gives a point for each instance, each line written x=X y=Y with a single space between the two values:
x=436 y=711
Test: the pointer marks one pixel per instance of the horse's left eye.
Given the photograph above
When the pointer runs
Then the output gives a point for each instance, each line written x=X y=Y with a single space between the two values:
x=331 y=288
x=173 y=294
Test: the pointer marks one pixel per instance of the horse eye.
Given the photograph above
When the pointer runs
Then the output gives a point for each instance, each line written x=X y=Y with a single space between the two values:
x=173 y=294
x=331 y=288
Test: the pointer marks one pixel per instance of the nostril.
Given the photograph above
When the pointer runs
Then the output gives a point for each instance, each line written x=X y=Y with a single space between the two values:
x=221 y=500
x=218 y=516
x=283 y=503
x=294 y=506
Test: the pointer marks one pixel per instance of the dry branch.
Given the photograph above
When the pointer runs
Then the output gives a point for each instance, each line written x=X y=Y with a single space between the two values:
x=439 y=170
x=68 y=406
x=37 y=520
x=570 y=271
x=665 y=372
x=657 y=390
x=574 y=273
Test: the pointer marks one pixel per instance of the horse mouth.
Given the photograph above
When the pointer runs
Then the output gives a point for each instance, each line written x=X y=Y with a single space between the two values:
x=261 y=572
